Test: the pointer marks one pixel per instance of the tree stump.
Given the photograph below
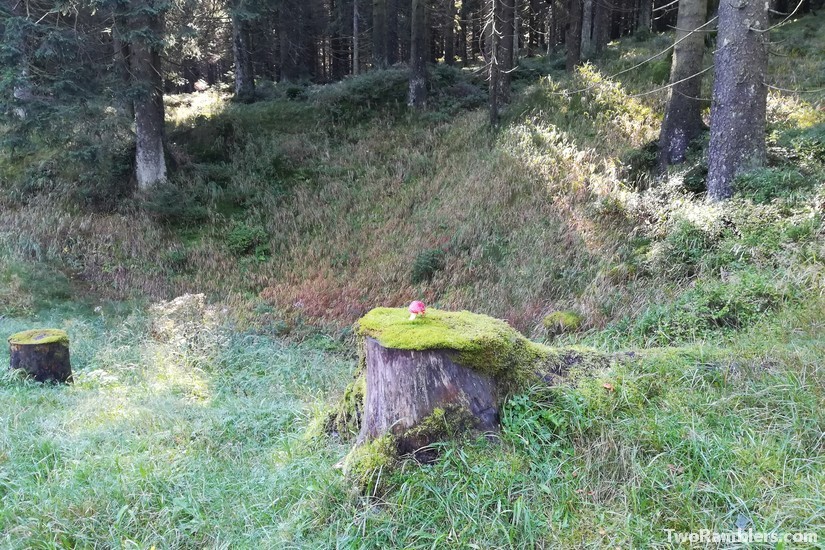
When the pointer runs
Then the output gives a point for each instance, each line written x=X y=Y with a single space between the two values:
x=432 y=378
x=429 y=379
x=43 y=354
x=406 y=387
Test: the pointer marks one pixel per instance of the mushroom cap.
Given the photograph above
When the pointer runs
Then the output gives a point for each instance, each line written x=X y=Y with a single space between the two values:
x=417 y=307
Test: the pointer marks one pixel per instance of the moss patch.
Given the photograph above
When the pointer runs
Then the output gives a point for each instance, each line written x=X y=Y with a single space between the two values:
x=562 y=322
x=39 y=336
x=345 y=419
x=482 y=343
x=365 y=462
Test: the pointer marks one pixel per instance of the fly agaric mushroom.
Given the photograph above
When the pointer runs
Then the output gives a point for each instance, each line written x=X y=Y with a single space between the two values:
x=417 y=308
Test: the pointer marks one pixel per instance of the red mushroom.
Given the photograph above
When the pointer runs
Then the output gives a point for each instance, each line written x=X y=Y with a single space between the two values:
x=417 y=308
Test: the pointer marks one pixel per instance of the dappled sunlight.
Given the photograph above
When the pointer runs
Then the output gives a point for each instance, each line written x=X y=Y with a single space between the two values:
x=612 y=107
x=793 y=112
x=198 y=107
x=160 y=425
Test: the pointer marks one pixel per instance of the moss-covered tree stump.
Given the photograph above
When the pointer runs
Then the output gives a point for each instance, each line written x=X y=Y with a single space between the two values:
x=404 y=388
x=433 y=377
x=43 y=354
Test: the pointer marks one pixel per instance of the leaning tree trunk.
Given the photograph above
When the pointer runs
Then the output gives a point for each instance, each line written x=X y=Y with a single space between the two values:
x=418 y=55
x=150 y=162
x=737 y=121
x=683 y=116
x=241 y=50
x=392 y=31
x=43 y=354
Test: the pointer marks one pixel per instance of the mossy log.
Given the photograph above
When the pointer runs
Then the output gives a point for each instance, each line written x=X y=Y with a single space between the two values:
x=43 y=354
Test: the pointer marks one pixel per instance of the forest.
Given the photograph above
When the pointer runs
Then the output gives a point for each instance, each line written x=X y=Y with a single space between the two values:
x=412 y=274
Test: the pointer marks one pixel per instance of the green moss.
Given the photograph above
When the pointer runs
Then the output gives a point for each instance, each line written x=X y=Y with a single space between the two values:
x=365 y=462
x=562 y=322
x=482 y=343
x=345 y=419
x=40 y=336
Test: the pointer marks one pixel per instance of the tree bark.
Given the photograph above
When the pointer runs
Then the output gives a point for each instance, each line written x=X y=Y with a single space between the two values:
x=42 y=354
x=646 y=15
x=418 y=55
x=587 y=29
x=356 y=46
x=150 y=161
x=449 y=33
x=379 y=34
x=601 y=27
x=22 y=92
x=574 y=35
x=241 y=50
x=501 y=55
x=738 y=111
x=392 y=31
x=516 y=33
x=405 y=387
x=683 y=115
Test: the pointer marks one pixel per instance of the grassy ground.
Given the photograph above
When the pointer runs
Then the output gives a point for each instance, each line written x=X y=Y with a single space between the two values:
x=338 y=201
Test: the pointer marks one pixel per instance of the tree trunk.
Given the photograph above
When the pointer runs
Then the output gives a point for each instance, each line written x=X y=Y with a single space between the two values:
x=683 y=116
x=42 y=354
x=587 y=29
x=601 y=27
x=418 y=55
x=392 y=31
x=449 y=33
x=492 y=39
x=646 y=15
x=516 y=33
x=464 y=37
x=406 y=387
x=574 y=35
x=150 y=162
x=22 y=92
x=379 y=34
x=501 y=55
x=356 y=46
x=737 y=131
x=244 y=72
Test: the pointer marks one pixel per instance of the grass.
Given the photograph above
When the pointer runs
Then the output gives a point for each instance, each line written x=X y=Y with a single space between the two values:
x=162 y=444
x=203 y=434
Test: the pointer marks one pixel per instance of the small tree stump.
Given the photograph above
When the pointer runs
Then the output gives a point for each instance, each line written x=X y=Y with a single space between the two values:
x=43 y=354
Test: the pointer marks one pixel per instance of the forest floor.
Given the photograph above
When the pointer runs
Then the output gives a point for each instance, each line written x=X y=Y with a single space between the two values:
x=297 y=214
